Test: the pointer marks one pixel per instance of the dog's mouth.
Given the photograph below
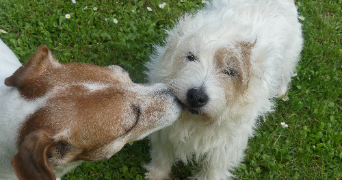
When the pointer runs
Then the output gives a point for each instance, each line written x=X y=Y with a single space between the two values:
x=184 y=105
x=194 y=110
x=179 y=102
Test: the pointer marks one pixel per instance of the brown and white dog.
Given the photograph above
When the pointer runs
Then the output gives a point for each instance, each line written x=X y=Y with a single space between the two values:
x=53 y=116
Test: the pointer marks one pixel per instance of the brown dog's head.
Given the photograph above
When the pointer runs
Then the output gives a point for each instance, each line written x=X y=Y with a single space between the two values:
x=87 y=112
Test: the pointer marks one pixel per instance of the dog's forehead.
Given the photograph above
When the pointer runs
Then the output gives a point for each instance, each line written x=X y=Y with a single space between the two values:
x=77 y=72
x=82 y=78
x=200 y=46
x=85 y=83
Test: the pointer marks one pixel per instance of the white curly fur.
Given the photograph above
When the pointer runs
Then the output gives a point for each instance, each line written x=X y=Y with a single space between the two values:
x=262 y=39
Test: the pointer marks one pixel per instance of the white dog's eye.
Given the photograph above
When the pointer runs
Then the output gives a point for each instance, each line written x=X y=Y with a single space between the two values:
x=191 y=57
x=230 y=72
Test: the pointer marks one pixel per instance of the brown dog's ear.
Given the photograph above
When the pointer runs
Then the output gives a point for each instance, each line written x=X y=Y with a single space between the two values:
x=38 y=63
x=31 y=162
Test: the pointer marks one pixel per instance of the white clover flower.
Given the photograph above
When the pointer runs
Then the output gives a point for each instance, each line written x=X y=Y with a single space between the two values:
x=85 y=8
x=73 y=1
x=3 y=31
x=301 y=18
x=284 y=125
x=106 y=19
x=67 y=16
x=162 y=6
x=95 y=8
x=130 y=143
x=149 y=9
x=285 y=98
x=115 y=21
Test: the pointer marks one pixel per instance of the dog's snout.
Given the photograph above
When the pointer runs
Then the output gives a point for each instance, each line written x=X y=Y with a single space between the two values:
x=197 y=97
x=169 y=93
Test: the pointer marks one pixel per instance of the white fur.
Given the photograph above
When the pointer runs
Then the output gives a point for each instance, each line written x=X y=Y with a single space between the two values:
x=94 y=87
x=9 y=63
x=217 y=141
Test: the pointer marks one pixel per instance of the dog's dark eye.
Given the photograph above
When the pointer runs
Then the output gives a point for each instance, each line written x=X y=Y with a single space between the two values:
x=191 y=57
x=230 y=72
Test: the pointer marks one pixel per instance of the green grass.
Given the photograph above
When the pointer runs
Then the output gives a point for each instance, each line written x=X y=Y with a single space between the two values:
x=310 y=148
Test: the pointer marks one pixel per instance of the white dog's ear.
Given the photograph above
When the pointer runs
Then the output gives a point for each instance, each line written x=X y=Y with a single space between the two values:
x=31 y=161
x=40 y=61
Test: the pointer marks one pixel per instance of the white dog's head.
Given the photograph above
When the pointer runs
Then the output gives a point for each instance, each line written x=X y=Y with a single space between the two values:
x=208 y=73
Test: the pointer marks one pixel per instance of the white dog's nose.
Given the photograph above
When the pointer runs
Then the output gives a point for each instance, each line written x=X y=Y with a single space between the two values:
x=196 y=97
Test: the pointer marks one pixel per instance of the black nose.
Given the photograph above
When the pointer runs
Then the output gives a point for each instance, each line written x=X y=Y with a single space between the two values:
x=197 y=97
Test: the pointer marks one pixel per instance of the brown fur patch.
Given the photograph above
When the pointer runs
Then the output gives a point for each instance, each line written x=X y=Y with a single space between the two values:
x=238 y=63
x=246 y=49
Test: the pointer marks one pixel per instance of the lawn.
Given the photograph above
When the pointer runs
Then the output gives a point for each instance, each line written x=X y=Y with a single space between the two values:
x=122 y=32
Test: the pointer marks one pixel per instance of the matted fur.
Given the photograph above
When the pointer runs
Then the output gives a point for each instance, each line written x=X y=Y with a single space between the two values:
x=242 y=54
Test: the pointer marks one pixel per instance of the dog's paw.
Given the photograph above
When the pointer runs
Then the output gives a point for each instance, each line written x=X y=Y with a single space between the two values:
x=155 y=174
x=282 y=91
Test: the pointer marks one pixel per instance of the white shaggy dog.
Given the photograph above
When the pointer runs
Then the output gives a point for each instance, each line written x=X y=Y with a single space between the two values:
x=225 y=64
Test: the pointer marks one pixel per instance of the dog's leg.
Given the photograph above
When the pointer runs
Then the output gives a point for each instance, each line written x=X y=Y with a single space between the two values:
x=220 y=161
x=291 y=58
x=287 y=73
x=162 y=158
